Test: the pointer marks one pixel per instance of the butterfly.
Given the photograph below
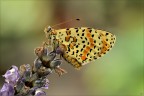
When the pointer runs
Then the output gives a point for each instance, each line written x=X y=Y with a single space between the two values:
x=80 y=45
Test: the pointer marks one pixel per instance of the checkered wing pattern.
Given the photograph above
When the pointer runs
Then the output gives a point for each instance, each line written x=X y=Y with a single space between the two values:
x=84 y=44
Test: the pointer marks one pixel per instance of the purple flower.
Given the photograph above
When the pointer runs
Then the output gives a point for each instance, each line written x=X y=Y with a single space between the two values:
x=12 y=75
x=45 y=83
x=30 y=80
x=7 y=90
x=28 y=73
x=39 y=92
x=41 y=83
x=55 y=63
x=37 y=64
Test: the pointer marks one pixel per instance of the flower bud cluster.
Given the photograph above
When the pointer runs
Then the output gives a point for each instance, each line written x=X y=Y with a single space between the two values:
x=30 y=80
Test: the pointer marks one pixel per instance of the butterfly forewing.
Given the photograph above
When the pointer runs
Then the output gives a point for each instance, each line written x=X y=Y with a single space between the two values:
x=84 y=44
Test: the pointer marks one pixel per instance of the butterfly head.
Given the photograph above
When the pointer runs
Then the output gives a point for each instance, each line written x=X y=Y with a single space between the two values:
x=49 y=35
x=48 y=31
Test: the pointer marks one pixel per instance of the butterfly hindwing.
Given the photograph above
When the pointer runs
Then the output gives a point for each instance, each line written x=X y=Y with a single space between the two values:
x=84 y=44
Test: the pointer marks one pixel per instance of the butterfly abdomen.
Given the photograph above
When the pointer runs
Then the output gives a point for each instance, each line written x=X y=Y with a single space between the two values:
x=72 y=61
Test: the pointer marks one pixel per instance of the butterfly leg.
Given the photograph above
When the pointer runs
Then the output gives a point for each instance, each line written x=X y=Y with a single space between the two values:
x=59 y=51
x=59 y=71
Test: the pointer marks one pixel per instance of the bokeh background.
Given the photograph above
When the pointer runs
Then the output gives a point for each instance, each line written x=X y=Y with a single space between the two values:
x=119 y=73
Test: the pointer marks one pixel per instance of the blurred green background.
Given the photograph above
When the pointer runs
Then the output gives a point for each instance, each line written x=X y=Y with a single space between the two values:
x=119 y=73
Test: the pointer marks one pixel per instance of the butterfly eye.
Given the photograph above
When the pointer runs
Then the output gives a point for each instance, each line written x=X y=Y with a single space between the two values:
x=47 y=31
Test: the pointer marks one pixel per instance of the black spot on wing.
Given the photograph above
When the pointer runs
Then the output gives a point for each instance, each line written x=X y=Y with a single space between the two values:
x=90 y=30
x=88 y=43
x=77 y=30
x=80 y=55
x=85 y=38
x=94 y=57
x=83 y=30
x=77 y=51
x=72 y=53
x=84 y=46
x=68 y=48
x=94 y=41
x=107 y=34
x=81 y=49
x=83 y=41
x=87 y=54
x=76 y=46
x=82 y=34
x=92 y=35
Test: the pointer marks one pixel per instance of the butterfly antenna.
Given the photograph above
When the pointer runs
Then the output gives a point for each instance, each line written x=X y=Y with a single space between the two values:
x=66 y=22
